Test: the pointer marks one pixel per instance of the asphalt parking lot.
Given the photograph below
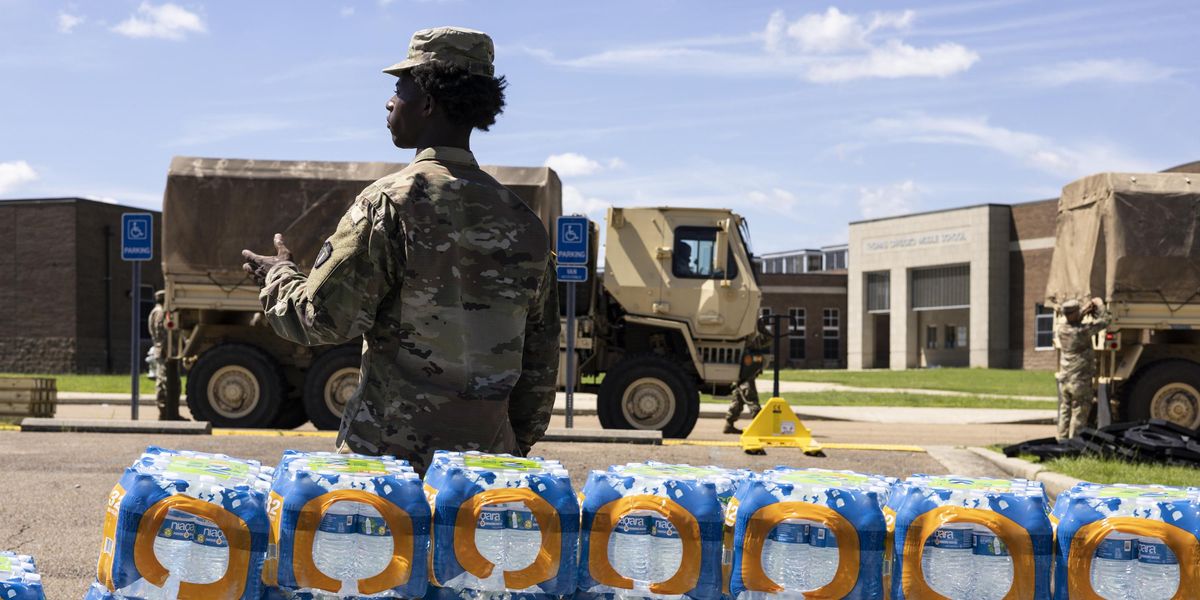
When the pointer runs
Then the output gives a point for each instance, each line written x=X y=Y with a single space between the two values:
x=51 y=503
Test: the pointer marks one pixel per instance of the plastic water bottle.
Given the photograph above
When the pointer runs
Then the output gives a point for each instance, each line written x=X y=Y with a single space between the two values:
x=666 y=549
x=1157 y=570
x=823 y=557
x=993 y=566
x=1113 y=566
x=948 y=560
x=335 y=544
x=210 y=553
x=523 y=539
x=173 y=544
x=629 y=547
x=375 y=543
x=786 y=555
x=490 y=534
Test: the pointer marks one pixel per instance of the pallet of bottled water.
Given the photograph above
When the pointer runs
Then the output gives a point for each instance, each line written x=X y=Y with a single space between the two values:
x=347 y=526
x=19 y=579
x=968 y=537
x=809 y=530
x=1128 y=541
x=503 y=526
x=655 y=530
x=183 y=524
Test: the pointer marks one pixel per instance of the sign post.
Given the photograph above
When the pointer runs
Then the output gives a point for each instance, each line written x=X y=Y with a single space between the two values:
x=137 y=246
x=571 y=245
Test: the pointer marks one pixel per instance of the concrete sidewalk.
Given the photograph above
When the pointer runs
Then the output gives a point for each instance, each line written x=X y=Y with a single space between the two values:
x=765 y=386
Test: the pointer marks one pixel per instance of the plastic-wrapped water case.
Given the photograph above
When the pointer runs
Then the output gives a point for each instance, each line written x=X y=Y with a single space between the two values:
x=19 y=579
x=1127 y=541
x=965 y=537
x=346 y=525
x=811 y=531
x=183 y=524
x=502 y=526
x=655 y=530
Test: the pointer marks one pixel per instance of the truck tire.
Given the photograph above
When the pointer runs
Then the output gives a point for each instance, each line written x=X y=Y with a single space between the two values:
x=1168 y=390
x=648 y=392
x=331 y=380
x=235 y=385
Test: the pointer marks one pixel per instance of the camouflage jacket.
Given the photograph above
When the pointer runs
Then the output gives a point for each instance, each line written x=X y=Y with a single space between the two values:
x=448 y=278
x=1076 y=356
x=155 y=322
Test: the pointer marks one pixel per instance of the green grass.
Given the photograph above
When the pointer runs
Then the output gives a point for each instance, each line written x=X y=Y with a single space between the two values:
x=974 y=381
x=114 y=384
x=894 y=399
x=1099 y=470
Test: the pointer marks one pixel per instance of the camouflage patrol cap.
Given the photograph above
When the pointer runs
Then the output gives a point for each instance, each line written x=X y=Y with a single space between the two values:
x=1070 y=306
x=466 y=48
x=160 y=295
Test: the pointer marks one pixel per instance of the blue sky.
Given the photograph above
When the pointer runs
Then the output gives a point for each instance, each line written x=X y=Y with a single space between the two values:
x=801 y=116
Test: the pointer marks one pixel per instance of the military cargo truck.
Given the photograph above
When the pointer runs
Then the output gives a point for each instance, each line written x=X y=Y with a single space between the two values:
x=666 y=317
x=1134 y=241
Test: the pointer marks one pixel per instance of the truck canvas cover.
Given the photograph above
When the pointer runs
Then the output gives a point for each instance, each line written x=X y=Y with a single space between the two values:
x=1128 y=238
x=215 y=207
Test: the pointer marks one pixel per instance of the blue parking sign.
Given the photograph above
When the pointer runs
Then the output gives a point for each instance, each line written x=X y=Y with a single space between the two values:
x=572 y=241
x=573 y=273
x=137 y=236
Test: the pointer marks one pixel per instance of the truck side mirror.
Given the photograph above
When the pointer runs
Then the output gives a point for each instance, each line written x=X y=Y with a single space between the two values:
x=721 y=251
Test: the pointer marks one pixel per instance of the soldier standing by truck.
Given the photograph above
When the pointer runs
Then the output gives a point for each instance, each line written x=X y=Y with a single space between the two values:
x=446 y=274
x=1077 y=364
x=156 y=322
x=745 y=393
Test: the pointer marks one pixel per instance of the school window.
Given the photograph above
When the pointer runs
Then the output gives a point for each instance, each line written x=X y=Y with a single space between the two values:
x=763 y=314
x=796 y=333
x=831 y=332
x=1043 y=328
x=956 y=336
x=931 y=337
x=694 y=252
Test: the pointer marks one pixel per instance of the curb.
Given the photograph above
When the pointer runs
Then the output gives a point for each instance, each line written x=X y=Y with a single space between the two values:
x=116 y=426
x=606 y=436
x=1055 y=483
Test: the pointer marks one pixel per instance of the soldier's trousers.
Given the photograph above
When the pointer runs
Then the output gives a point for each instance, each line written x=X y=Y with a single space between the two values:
x=745 y=397
x=1074 y=408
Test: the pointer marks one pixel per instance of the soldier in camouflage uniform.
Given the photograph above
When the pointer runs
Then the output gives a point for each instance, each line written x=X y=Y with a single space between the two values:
x=445 y=274
x=156 y=322
x=1077 y=364
x=745 y=393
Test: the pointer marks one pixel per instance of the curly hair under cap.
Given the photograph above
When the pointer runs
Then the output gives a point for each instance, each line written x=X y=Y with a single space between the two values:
x=471 y=100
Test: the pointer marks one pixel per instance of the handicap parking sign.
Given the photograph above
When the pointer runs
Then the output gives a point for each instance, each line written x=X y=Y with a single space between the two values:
x=572 y=242
x=137 y=236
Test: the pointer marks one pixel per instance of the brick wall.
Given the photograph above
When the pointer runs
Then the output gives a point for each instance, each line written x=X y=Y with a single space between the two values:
x=1029 y=268
x=814 y=292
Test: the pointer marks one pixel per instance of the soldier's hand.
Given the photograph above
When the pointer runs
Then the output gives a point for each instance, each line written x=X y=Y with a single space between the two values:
x=258 y=266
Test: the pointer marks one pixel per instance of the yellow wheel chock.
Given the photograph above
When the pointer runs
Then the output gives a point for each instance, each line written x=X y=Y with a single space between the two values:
x=777 y=426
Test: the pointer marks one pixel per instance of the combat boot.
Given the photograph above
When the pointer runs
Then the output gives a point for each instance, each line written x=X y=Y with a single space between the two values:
x=731 y=428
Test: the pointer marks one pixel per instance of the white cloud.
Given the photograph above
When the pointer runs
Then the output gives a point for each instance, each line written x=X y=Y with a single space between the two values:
x=1037 y=151
x=888 y=200
x=167 y=21
x=347 y=11
x=14 y=174
x=1102 y=70
x=775 y=199
x=576 y=202
x=571 y=164
x=209 y=130
x=67 y=22
x=830 y=46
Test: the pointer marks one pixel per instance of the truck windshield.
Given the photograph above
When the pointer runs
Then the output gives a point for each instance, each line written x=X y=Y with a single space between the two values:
x=692 y=257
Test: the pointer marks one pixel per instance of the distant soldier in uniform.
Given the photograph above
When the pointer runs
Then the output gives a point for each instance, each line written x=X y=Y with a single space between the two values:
x=445 y=274
x=745 y=393
x=158 y=355
x=1077 y=364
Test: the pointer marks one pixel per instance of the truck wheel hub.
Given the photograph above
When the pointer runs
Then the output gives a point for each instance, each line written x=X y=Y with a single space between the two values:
x=233 y=391
x=339 y=387
x=648 y=403
x=1178 y=403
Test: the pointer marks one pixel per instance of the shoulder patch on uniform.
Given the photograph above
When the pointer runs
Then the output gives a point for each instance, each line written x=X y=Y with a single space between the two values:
x=360 y=210
x=323 y=255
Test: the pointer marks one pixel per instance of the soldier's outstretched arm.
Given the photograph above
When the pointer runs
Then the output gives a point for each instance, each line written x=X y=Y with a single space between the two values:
x=532 y=399
x=336 y=302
